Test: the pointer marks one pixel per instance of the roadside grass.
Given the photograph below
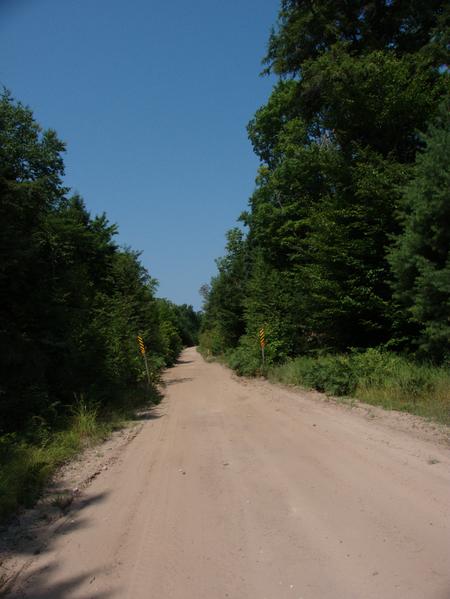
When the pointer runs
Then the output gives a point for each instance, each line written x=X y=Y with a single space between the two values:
x=430 y=400
x=374 y=377
x=28 y=461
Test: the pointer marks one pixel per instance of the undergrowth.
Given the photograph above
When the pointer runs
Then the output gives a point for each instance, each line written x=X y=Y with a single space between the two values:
x=27 y=461
x=374 y=376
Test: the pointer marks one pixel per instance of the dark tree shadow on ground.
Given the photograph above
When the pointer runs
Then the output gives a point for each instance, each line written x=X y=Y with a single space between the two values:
x=31 y=536
x=178 y=381
x=62 y=590
x=153 y=413
x=35 y=537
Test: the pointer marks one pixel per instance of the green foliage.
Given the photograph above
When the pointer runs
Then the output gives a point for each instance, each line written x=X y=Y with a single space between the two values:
x=420 y=258
x=85 y=419
x=28 y=461
x=211 y=343
x=337 y=141
x=72 y=300
x=169 y=339
x=273 y=303
x=188 y=323
x=179 y=327
x=72 y=303
x=329 y=374
x=375 y=377
x=307 y=30
x=224 y=308
x=246 y=358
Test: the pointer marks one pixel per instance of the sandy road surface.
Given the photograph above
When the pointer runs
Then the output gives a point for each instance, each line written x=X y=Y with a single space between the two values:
x=244 y=490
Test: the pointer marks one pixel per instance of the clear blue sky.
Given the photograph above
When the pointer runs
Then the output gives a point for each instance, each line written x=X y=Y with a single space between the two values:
x=152 y=98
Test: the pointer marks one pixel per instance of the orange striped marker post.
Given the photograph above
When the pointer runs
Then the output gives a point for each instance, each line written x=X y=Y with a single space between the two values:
x=144 y=355
x=262 y=343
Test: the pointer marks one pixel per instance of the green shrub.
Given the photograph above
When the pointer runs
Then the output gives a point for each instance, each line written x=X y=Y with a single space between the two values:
x=244 y=361
x=329 y=374
x=376 y=377
x=246 y=358
x=334 y=375
x=85 y=419
x=210 y=343
x=374 y=365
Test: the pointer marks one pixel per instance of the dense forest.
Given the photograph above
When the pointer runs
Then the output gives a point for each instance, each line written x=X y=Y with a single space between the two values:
x=72 y=304
x=344 y=250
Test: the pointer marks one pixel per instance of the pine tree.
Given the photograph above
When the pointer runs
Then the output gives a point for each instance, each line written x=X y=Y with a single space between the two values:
x=421 y=257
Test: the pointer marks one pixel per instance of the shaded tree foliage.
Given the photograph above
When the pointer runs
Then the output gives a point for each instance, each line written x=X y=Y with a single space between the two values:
x=420 y=257
x=72 y=301
x=337 y=142
x=224 y=308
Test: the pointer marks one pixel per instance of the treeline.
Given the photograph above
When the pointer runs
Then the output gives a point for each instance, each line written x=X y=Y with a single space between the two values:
x=72 y=303
x=348 y=230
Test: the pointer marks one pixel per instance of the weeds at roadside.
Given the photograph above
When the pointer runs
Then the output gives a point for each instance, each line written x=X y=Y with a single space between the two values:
x=27 y=462
x=374 y=377
x=62 y=501
x=347 y=401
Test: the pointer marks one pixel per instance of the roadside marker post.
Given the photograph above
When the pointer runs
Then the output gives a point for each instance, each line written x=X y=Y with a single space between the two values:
x=262 y=343
x=144 y=355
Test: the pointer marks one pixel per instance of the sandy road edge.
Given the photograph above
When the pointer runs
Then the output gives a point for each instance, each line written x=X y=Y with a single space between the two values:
x=27 y=534
x=404 y=422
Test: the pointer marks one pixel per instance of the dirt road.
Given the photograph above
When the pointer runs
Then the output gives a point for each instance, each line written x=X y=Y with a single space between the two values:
x=244 y=490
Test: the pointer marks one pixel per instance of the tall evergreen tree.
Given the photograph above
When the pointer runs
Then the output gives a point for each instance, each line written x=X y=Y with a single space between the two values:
x=420 y=258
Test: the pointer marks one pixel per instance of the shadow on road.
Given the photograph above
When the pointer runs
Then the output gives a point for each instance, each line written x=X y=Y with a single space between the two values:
x=178 y=381
x=64 y=589
x=152 y=413
x=29 y=535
